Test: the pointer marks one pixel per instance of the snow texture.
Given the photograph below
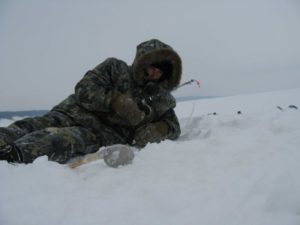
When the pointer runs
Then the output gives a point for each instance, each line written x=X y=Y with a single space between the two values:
x=226 y=169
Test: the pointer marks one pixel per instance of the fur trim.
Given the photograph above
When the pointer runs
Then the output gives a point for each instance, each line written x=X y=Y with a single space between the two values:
x=141 y=62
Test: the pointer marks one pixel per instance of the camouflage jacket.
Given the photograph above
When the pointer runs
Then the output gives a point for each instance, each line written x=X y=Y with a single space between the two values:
x=90 y=105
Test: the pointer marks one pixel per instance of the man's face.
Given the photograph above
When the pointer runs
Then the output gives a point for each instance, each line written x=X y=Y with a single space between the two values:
x=153 y=73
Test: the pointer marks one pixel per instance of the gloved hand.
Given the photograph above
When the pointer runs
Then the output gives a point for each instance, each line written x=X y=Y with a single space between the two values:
x=127 y=108
x=152 y=88
x=160 y=99
x=149 y=133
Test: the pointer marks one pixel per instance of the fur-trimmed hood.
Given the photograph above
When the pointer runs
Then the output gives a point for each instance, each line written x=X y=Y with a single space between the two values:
x=155 y=52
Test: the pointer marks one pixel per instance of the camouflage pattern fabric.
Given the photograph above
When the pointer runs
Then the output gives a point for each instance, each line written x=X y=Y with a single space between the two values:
x=9 y=135
x=27 y=125
x=59 y=143
x=86 y=120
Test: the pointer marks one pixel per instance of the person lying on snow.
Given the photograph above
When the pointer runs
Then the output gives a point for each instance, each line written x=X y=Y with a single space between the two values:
x=113 y=104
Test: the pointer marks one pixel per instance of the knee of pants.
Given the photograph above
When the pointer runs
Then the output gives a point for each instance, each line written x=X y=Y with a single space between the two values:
x=59 y=144
x=10 y=134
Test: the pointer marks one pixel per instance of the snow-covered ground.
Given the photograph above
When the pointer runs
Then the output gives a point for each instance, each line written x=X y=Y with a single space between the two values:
x=226 y=169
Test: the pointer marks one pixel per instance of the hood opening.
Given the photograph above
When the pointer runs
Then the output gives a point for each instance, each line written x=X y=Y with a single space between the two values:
x=158 y=54
x=166 y=68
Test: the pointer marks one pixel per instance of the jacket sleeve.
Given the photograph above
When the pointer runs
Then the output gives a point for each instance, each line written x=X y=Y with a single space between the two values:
x=94 y=91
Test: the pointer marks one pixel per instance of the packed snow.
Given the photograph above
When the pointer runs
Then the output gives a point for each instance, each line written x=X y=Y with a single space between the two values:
x=227 y=168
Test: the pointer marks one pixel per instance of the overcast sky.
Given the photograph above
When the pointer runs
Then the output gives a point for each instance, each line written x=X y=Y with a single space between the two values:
x=232 y=47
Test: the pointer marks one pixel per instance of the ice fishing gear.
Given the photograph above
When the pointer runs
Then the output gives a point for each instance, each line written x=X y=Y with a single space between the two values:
x=188 y=82
x=154 y=91
x=114 y=156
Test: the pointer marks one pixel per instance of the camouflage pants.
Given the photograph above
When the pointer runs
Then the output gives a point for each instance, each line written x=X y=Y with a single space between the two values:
x=59 y=143
x=56 y=136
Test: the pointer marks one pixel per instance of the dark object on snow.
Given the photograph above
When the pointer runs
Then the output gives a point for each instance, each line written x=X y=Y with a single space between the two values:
x=278 y=107
x=239 y=112
x=293 y=107
x=214 y=113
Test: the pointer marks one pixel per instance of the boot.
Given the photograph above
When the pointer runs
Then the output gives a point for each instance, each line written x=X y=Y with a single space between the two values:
x=11 y=154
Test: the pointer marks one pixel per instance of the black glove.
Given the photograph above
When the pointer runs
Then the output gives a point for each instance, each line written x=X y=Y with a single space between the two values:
x=158 y=98
x=152 y=88
x=128 y=109
x=149 y=133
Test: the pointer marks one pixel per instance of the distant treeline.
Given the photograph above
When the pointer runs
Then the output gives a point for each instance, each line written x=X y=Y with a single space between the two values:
x=189 y=98
x=11 y=114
